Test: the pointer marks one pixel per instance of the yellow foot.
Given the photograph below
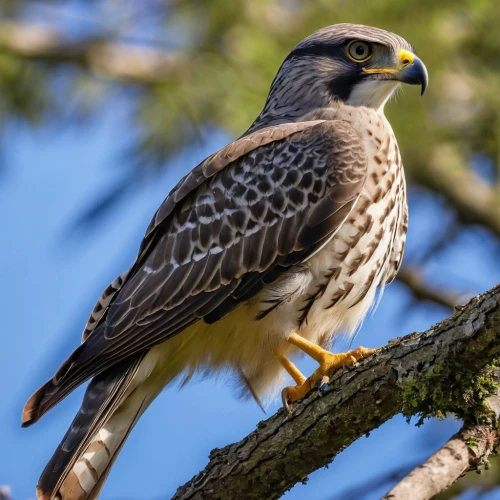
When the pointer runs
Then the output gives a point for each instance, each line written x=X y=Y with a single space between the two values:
x=328 y=364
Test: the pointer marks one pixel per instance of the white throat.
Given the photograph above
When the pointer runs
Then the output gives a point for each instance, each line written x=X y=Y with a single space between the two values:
x=372 y=93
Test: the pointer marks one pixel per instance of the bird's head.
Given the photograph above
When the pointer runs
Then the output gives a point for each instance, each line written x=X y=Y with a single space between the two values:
x=358 y=65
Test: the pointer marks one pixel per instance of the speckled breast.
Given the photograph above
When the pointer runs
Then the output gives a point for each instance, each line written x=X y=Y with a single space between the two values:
x=367 y=250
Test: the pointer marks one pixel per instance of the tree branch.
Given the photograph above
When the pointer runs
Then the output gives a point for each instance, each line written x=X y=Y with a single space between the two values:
x=121 y=62
x=446 y=173
x=467 y=450
x=413 y=278
x=286 y=448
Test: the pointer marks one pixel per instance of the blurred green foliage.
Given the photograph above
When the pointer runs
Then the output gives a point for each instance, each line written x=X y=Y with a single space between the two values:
x=233 y=50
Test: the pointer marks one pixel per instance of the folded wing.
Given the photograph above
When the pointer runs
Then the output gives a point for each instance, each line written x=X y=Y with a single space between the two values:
x=237 y=222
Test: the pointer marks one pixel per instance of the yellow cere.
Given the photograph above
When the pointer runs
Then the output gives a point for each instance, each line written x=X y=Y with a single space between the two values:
x=406 y=58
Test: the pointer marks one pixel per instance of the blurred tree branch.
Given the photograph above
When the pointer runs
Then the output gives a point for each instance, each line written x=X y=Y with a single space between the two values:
x=363 y=489
x=445 y=172
x=409 y=375
x=414 y=279
x=122 y=62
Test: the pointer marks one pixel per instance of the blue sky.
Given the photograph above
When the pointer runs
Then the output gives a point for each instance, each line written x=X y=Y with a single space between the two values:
x=51 y=277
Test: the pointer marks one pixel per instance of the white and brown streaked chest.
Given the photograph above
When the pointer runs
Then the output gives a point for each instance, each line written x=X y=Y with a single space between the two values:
x=366 y=251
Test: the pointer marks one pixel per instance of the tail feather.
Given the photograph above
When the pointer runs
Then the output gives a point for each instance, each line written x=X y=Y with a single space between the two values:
x=54 y=390
x=83 y=363
x=81 y=463
x=85 y=479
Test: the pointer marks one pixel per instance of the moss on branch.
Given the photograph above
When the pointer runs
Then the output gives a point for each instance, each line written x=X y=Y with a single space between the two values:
x=449 y=389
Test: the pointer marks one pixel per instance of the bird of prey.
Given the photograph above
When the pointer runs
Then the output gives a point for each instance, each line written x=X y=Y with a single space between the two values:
x=271 y=246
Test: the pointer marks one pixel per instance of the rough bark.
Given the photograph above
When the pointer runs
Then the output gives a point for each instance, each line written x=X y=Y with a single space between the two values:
x=467 y=450
x=447 y=465
x=284 y=449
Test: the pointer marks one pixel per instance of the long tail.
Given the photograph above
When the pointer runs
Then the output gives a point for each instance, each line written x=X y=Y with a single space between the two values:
x=110 y=408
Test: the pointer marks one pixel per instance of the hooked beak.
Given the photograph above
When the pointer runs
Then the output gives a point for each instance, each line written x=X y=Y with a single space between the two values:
x=410 y=69
x=414 y=73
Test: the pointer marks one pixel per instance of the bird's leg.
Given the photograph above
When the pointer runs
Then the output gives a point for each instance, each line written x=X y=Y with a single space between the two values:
x=302 y=387
x=328 y=364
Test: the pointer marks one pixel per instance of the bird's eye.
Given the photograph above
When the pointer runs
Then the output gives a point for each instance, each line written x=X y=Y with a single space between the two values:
x=359 y=51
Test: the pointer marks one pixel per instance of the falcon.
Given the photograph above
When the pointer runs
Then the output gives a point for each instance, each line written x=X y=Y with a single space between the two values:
x=270 y=247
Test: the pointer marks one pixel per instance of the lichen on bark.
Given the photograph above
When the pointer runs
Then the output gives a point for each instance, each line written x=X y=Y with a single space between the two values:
x=449 y=388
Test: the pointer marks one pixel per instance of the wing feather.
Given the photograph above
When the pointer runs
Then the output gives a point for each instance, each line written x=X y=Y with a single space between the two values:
x=237 y=222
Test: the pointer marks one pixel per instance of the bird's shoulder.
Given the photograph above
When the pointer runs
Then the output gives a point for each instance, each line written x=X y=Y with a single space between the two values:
x=321 y=126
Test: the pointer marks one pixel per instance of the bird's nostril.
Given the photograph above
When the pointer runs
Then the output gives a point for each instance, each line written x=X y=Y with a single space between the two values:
x=406 y=62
